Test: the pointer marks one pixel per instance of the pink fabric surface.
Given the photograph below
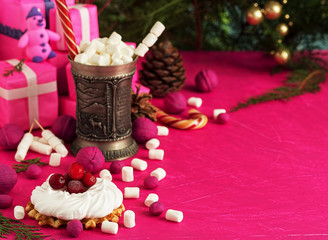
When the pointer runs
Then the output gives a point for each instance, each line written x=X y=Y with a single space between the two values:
x=264 y=175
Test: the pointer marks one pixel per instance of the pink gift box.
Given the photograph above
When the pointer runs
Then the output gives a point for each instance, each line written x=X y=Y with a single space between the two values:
x=13 y=24
x=84 y=19
x=29 y=94
x=60 y=62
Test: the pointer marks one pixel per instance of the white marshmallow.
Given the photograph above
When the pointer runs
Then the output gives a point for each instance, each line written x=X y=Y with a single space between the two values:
x=98 y=60
x=195 y=102
x=156 y=154
x=129 y=219
x=46 y=134
x=107 y=58
x=41 y=140
x=152 y=143
x=60 y=148
x=54 y=141
x=141 y=50
x=217 y=112
x=162 y=131
x=131 y=192
x=109 y=227
x=91 y=50
x=104 y=40
x=114 y=38
x=106 y=174
x=19 y=212
x=127 y=59
x=139 y=164
x=98 y=45
x=117 y=55
x=151 y=198
x=159 y=173
x=55 y=159
x=127 y=50
x=149 y=40
x=41 y=148
x=157 y=29
x=116 y=61
x=111 y=49
x=174 y=215
x=84 y=45
x=81 y=58
x=127 y=174
x=23 y=147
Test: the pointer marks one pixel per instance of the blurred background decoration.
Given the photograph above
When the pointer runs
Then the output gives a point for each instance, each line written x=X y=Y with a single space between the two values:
x=221 y=24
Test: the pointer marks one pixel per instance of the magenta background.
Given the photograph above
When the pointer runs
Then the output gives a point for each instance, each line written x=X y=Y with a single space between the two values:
x=262 y=176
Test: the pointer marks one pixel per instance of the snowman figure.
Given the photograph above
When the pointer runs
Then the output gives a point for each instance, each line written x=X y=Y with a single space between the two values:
x=36 y=38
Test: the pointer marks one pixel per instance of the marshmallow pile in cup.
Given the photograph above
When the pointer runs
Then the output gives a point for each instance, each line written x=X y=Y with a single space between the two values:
x=105 y=51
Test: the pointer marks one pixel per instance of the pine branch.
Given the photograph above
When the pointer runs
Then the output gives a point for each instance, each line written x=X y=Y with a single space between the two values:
x=10 y=226
x=23 y=165
x=17 y=68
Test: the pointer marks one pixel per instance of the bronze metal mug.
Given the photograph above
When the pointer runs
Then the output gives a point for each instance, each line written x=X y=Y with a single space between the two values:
x=103 y=109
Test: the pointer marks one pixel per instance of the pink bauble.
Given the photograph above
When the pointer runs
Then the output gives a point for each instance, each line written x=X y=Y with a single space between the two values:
x=143 y=129
x=8 y=178
x=5 y=201
x=175 y=102
x=10 y=136
x=156 y=208
x=206 y=80
x=91 y=158
x=151 y=182
x=74 y=228
x=33 y=171
x=223 y=118
x=64 y=127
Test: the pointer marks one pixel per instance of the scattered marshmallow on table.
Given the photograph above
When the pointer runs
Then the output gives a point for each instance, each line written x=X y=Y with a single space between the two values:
x=156 y=154
x=55 y=142
x=23 y=147
x=129 y=219
x=159 y=173
x=217 y=112
x=162 y=131
x=106 y=174
x=141 y=50
x=131 y=192
x=151 y=198
x=41 y=148
x=55 y=159
x=152 y=143
x=174 y=215
x=127 y=174
x=19 y=212
x=109 y=227
x=195 y=102
x=139 y=164
x=157 y=29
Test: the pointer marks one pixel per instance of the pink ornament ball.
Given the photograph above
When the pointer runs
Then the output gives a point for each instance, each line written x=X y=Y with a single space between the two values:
x=10 y=136
x=5 y=201
x=115 y=167
x=74 y=228
x=143 y=129
x=64 y=128
x=151 y=182
x=156 y=208
x=91 y=158
x=33 y=171
x=175 y=103
x=206 y=80
x=8 y=178
x=223 y=118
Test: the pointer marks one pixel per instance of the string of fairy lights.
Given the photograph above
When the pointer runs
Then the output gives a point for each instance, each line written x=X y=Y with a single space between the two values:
x=272 y=10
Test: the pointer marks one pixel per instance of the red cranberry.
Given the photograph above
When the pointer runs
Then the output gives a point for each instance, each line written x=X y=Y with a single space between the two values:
x=76 y=171
x=75 y=186
x=57 y=181
x=88 y=179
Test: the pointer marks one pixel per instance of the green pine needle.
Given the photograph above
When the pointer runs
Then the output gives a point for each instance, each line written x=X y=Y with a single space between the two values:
x=17 y=68
x=23 y=165
x=10 y=226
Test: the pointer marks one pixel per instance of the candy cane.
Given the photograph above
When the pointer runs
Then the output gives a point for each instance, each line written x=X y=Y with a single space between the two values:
x=67 y=27
x=196 y=120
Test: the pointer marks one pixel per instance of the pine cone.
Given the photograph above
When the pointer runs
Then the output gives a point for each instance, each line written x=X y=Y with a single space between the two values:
x=163 y=72
x=141 y=106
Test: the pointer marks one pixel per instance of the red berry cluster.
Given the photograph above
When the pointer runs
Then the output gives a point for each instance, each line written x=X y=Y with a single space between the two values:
x=77 y=180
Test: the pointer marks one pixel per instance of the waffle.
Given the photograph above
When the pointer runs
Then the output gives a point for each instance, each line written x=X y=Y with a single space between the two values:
x=88 y=223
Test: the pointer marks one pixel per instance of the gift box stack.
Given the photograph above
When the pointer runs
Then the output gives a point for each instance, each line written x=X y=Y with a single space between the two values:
x=25 y=90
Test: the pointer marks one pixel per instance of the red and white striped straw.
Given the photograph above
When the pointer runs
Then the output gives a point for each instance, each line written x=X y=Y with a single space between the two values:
x=67 y=27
